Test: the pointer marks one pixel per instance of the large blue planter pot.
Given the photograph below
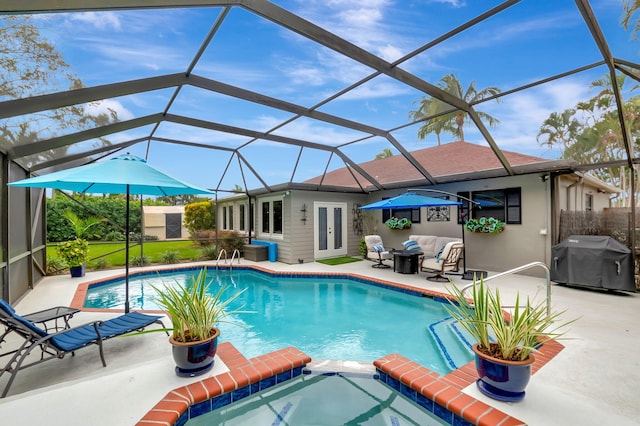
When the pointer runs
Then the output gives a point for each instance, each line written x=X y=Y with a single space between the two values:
x=77 y=271
x=502 y=380
x=194 y=358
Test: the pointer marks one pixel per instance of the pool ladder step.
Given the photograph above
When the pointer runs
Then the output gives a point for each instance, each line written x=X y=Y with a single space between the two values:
x=457 y=351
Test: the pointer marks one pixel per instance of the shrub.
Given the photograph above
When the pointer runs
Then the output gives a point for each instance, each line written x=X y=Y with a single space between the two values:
x=199 y=217
x=204 y=237
x=208 y=252
x=114 y=236
x=363 y=247
x=169 y=257
x=140 y=260
x=230 y=241
x=55 y=266
x=101 y=263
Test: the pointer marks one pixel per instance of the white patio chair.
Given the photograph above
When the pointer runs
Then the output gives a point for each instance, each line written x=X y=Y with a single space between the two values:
x=376 y=251
x=446 y=261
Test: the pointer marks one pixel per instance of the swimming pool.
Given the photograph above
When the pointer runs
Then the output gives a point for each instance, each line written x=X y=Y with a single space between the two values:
x=327 y=317
x=322 y=399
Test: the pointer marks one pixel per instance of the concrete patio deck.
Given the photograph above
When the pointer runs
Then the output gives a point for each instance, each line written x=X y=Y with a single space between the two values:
x=593 y=381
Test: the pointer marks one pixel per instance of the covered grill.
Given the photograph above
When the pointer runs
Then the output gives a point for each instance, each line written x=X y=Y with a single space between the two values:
x=593 y=261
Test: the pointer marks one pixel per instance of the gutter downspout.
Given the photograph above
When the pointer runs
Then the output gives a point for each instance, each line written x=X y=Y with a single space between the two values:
x=580 y=180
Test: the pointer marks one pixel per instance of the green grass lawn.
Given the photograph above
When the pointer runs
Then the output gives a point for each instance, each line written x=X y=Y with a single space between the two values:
x=153 y=250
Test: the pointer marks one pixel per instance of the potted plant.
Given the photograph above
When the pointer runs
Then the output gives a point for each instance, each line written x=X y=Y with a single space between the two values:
x=75 y=254
x=505 y=345
x=195 y=313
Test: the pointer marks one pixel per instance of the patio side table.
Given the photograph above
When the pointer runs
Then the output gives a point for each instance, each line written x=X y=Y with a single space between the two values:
x=406 y=262
x=59 y=313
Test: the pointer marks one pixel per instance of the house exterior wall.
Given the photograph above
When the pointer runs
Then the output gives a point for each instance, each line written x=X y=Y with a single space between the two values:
x=296 y=242
x=154 y=220
x=519 y=244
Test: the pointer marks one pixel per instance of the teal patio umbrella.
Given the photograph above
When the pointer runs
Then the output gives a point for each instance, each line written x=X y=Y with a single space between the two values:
x=125 y=174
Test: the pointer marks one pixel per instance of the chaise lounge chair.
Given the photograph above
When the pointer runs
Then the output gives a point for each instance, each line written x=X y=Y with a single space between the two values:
x=57 y=345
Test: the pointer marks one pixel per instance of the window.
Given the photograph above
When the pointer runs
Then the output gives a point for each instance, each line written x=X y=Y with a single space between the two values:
x=588 y=202
x=502 y=204
x=224 y=217
x=242 y=218
x=271 y=216
x=230 y=217
x=412 y=214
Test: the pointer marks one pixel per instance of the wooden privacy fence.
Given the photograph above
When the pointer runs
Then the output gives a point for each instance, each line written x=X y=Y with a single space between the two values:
x=614 y=222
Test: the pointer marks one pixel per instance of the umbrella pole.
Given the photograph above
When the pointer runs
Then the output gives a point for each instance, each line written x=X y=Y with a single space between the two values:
x=126 y=257
x=464 y=250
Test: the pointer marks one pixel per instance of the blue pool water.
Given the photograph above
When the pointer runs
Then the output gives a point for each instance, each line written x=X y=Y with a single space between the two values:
x=312 y=399
x=325 y=317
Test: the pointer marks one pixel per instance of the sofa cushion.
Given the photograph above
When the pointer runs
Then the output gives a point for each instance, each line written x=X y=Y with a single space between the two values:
x=430 y=245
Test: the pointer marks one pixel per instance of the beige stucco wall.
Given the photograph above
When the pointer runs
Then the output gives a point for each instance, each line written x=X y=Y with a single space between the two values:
x=519 y=244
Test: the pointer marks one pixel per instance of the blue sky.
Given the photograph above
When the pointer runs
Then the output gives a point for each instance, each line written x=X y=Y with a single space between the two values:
x=532 y=40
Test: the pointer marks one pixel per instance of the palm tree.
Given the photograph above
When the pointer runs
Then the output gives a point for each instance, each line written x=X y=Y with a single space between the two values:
x=386 y=153
x=434 y=110
x=559 y=129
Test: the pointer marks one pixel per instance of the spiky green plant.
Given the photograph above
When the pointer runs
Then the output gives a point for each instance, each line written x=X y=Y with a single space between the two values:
x=514 y=338
x=195 y=312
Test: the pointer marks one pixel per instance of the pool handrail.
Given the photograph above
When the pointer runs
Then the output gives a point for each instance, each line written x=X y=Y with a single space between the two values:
x=220 y=255
x=519 y=269
x=233 y=256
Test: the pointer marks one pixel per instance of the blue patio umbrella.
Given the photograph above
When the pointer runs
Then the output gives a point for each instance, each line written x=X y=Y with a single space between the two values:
x=125 y=174
x=411 y=200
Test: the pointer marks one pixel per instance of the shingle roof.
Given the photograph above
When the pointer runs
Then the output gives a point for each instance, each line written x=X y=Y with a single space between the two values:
x=455 y=158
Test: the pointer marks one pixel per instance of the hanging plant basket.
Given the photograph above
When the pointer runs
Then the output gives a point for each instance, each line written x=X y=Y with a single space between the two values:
x=485 y=225
x=395 y=223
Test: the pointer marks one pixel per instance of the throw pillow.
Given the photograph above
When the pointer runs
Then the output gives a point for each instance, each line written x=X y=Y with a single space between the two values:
x=439 y=254
x=378 y=248
x=409 y=244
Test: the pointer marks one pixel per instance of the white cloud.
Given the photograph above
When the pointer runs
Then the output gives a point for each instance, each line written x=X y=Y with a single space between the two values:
x=105 y=106
x=521 y=114
x=100 y=21
x=453 y=3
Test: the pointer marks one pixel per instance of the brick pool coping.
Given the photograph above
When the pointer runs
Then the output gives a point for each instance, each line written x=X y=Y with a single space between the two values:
x=445 y=391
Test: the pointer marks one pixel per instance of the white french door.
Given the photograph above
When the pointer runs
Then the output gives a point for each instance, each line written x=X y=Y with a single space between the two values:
x=330 y=233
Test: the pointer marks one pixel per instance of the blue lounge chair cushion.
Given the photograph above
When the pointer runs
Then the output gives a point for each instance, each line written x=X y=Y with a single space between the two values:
x=10 y=312
x=79 y=337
